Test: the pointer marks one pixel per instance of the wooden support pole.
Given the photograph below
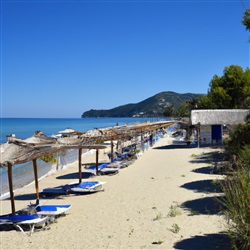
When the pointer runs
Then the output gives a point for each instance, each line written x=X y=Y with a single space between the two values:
x=112 y=151
x=11 y=188
x=96 y=160
x=80 y=164
x=36 y=179
x=142 y=143
x=153 y=138
x=120 y=142
x=198 y=134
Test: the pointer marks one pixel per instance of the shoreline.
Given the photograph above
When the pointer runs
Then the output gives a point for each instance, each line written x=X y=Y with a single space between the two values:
x=133 y=211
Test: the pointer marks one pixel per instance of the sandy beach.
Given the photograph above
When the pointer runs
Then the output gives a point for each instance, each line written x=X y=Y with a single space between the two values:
x=134 y=210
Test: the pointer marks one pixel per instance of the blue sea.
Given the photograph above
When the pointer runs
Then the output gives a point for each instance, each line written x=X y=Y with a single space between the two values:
x=25 y=127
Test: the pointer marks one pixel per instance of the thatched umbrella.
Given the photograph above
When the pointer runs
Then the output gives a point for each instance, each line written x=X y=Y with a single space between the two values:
x=67 y=131
x=108 y=134
x=13 y=153
x=94 y=137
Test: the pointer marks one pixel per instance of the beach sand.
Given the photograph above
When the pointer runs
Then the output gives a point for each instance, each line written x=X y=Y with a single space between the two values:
x=133 y=211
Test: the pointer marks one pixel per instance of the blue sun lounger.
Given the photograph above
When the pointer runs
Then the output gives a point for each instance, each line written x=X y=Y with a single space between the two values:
x=102 y=169
x=75 y=188
x=87 y=187
x=50 y=210
x=20 y=219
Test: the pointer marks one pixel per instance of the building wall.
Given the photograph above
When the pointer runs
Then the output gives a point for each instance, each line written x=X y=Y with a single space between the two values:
x=206 y=134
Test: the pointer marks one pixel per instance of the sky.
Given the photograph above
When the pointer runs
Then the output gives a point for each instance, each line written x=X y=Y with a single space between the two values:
x=62 y=58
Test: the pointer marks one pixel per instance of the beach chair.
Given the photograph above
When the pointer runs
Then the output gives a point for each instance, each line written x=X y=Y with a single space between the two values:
x=102 y=169
x=117 y=164
x=21 y=219
x=92 y=169
x=75 y=188
x=87 y=187
x=49 y=210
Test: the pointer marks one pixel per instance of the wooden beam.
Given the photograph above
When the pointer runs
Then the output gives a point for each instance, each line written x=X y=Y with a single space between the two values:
x=120 y=142
x=112 y=151
x=13 y=210
x=36 y=179
x=198 y=133
x=142 y=142
x=80 y=165
x=96 y=161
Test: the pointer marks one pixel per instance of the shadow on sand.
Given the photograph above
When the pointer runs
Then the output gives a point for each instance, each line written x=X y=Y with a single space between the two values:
x=173 y=147
x=75 y=175
x=205 y=186
x=204 y=170
x=6 y=228
x=205 y=206
x=210 y=157
x=32 y=197
x=207 y=242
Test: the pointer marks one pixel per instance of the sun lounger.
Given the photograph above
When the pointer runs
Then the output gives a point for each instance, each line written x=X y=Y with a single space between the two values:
x=117 y=164
x=102 y=169
x=22 y=219
x=87 y=187
x=18 y=220
x=114 y=165
x=109 y=171
x=50 y=210
x=53 y=191
x=75 y=188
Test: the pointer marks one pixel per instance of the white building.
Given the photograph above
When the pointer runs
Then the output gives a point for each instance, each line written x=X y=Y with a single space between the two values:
x=210 y=122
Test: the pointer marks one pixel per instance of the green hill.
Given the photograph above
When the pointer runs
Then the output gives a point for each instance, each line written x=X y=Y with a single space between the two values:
x=152 y=106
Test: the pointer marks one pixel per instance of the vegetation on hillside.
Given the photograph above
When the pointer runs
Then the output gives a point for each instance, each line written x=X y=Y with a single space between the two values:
x=150 y=107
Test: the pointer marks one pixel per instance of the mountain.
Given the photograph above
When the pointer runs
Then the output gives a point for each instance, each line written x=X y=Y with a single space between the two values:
x=152 y=106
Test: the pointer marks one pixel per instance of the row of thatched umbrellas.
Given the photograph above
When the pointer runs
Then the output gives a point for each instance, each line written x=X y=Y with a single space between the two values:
x=17 y=151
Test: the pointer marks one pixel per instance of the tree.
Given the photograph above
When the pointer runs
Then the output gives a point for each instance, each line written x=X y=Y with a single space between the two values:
x=185 y=109
x=231 y=91
x=205 y=102
x=246 y=19
x=169 y=111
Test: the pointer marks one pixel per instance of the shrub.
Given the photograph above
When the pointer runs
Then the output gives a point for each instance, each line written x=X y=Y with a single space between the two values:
x=244 y=155
x=238 y=138
x=48 y=158
x=175 y=228
x=174 y=210
x=237 y=208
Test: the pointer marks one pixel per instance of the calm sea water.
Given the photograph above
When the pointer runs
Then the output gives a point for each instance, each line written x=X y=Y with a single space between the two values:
x=25 y=127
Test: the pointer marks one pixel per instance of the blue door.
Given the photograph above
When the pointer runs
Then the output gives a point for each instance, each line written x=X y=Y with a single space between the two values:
x=216 y=133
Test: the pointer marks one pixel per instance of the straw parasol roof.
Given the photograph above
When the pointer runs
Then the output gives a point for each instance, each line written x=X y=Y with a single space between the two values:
x=67 y=131
x=17 y=151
